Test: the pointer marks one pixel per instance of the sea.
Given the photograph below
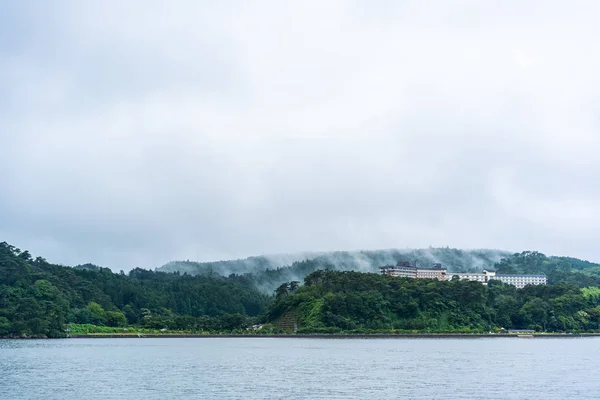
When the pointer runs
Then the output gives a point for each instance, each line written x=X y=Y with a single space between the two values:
x=295 y=368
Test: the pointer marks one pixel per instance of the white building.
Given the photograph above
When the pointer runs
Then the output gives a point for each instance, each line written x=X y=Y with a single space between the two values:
x=407 y=270
x=520 y=281
x=473 y=276
x=435 y=272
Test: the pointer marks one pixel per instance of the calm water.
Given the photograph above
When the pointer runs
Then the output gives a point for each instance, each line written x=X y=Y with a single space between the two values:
x=266 y=368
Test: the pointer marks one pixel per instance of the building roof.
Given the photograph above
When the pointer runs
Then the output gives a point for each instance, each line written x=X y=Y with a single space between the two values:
x=520 y=276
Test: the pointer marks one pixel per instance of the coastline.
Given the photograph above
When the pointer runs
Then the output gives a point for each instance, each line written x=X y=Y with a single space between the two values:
x=343 y=336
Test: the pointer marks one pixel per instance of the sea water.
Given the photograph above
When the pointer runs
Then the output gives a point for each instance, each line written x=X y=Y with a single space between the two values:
x=290 y=368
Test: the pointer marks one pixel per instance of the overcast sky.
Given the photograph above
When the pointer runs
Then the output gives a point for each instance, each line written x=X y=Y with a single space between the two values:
x=137 y=132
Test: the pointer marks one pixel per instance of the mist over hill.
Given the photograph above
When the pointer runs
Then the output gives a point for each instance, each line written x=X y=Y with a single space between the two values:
x=40 y=298
x=239 y=267
x=268 y=272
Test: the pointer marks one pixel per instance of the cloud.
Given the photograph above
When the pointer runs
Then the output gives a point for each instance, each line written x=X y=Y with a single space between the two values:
x=142 y=132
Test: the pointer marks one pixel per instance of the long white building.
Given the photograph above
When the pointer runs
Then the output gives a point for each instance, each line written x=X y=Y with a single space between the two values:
x=518 y=280
x=407 y=270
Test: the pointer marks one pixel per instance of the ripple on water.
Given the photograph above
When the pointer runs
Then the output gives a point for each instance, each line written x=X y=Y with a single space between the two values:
x=271 y=368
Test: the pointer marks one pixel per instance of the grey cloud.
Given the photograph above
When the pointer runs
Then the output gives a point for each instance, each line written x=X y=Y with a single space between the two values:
x=137 y=134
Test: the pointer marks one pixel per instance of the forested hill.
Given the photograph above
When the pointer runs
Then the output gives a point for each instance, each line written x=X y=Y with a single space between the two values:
x=37 y=297
x=353 y=302
x=268 y=272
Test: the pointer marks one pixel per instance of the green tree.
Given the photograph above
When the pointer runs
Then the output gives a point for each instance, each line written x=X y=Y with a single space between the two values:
x=97 y=313
x=5 y=326
x=115 y=318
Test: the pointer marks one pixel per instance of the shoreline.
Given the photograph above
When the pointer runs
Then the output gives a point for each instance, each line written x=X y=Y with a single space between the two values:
x=342 y=336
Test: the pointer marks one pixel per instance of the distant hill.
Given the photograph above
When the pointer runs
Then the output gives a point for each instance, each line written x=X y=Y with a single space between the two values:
x=239 y=267
x=268 y=272
x=576 y=264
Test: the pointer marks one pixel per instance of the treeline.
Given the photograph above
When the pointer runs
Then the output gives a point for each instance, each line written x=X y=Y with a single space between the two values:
x=354 y=302
x=39 y=298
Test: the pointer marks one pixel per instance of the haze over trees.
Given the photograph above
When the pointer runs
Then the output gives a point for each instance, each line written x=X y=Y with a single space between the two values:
x=40 y=298
x=268 y=272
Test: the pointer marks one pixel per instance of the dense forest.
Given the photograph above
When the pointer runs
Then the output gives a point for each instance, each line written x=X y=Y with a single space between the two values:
x=354 y=302
x=38 y=298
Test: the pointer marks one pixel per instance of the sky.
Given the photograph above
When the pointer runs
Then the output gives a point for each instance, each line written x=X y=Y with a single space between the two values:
x=134 y=133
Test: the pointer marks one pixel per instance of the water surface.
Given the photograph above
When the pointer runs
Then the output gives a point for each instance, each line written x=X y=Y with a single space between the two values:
x=275 y=368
